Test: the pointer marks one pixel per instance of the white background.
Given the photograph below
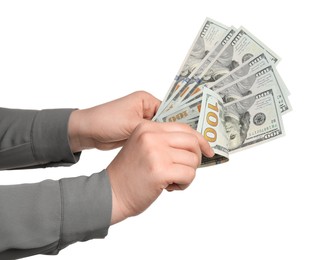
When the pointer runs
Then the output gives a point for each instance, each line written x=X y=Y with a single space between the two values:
x=263 y=204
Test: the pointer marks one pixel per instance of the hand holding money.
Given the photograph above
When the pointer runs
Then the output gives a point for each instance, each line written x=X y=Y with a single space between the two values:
x=157 y=156
x=90 y=128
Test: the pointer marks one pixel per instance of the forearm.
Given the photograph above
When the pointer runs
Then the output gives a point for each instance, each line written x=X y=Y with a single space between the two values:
x=32 y=138
x=45 y=217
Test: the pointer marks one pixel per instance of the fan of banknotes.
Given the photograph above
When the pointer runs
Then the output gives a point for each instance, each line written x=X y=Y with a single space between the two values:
x=229 y=90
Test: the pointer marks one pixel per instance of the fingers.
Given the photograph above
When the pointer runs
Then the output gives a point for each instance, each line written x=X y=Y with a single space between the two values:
x=181 y=178
x=156 y=156
x=186 y=145
x=204 y=145
x=183 y=128
x=185 y=157
x=150 y=104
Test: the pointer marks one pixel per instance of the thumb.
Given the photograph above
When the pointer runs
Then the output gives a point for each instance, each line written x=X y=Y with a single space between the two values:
x=150 y=106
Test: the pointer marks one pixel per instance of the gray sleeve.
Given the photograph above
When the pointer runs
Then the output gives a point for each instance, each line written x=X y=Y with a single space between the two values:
x=45 y=217
x=34 y=138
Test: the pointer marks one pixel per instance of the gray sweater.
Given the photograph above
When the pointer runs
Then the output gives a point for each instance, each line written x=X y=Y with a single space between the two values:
x=45 y=217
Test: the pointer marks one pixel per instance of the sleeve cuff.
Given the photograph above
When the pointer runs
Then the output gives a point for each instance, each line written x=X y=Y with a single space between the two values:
x=49 y=138
x=86 y=208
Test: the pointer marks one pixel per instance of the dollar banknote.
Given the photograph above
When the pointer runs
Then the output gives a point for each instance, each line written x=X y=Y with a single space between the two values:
x=182 y=86
x=182 y=114
x=263 y=78
x=241 y=48
x=253 y=120
x=247 y=67
x=234 y=96
x=242 y=124
x=210 y=33
x=211 y=125
x=255 y=82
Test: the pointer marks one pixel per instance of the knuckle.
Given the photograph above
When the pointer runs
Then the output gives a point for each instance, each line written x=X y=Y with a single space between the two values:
x=191 y=175
x=145 y=139
x=142 y=128
x=187 y=127
x=141 y=93
x=195 y=140
x=196 y=160
x=155 y=168
x=153 y=158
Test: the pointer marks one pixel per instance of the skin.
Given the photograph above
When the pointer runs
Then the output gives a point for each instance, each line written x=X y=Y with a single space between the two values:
x=108 y=126
x=154 y=157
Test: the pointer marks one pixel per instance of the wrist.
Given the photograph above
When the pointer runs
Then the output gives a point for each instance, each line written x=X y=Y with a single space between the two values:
x=74 y=131
x=117 y=215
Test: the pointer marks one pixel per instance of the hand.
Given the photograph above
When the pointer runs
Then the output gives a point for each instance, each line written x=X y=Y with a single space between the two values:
x=107 y=126
x=157 y=156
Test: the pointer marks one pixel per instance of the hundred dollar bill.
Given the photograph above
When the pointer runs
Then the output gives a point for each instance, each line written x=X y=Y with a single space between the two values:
x=183 y=113
x=247 y=67
x=182 y=86
x=252 y=121
x=211 y=125
x=242 y=47
x=210 y=33
x=265 y=78
x=248 y=122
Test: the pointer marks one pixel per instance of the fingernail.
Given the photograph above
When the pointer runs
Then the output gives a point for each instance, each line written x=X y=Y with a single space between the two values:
x=211 y=152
